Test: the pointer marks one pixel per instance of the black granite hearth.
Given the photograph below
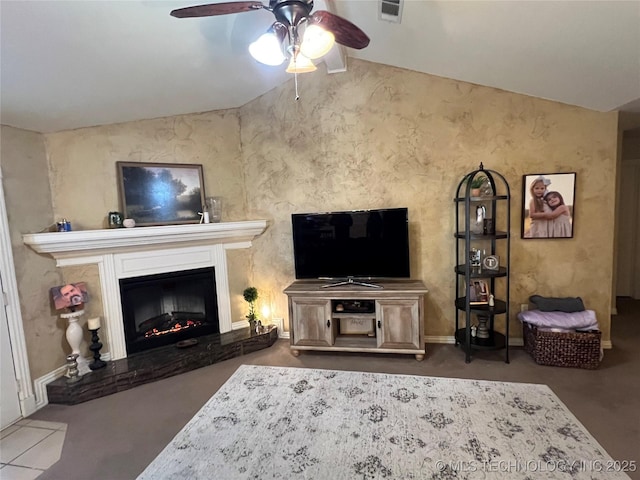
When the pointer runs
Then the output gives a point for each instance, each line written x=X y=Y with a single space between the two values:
x=159 y=363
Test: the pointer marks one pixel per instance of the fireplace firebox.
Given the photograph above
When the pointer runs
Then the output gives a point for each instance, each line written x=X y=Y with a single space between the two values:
x=168 y=308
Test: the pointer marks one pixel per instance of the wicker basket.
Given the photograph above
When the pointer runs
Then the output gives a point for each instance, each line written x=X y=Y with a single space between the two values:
x=563 y=349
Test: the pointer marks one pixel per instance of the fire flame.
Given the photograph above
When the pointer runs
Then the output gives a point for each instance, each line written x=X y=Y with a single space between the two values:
x=177 y=327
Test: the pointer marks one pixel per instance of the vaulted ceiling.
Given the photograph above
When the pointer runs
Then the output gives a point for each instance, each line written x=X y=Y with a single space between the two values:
x=71 y=64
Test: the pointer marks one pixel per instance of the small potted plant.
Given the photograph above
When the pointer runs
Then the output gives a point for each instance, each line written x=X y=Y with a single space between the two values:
x=250 y=295
x=477 y=183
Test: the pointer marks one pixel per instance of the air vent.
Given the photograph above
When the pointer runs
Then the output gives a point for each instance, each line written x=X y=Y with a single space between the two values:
x=390 y=10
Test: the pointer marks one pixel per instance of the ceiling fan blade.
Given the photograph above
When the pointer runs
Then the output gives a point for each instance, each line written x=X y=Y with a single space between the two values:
x=213 y=9
x=346 y=33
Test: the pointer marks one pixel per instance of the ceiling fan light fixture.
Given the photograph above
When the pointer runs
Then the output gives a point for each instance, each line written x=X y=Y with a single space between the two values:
x=267 y=49
x=316 y=42
x=300 y=64
x=321 y=30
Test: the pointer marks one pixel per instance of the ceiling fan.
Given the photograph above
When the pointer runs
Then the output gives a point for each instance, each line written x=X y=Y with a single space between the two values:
x=296 y=34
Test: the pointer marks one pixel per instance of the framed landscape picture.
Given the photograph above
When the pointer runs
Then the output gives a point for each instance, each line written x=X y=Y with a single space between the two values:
x=548 y=205
x=161 y=193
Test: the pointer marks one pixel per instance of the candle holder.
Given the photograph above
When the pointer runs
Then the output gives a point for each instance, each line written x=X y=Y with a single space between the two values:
x=71 y=298
x=74 y=338
x=95 y=348
x=483 y=327
x=72 y=368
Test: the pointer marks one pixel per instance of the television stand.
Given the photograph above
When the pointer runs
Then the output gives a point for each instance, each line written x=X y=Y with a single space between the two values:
x=357 y=318
x=351 y=281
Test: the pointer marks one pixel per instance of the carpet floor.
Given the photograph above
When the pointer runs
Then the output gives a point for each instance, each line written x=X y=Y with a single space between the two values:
x=116 y=437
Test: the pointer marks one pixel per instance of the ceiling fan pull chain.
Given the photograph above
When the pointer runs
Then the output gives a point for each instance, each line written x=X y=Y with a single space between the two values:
x=295 y=79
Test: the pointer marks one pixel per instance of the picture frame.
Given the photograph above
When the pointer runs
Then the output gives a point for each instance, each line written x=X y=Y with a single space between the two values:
x=475 y=258
x=479 y=292
x=548 y=205
x=69 y=295
x=161 y=193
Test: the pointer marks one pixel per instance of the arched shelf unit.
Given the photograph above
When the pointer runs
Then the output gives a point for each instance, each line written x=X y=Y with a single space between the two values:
x=482 y=270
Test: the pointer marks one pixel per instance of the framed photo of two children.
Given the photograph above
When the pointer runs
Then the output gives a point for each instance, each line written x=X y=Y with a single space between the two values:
x=548 y=205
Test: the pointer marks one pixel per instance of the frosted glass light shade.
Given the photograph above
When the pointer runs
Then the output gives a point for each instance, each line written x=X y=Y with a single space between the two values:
x=267 y=49
x=316 y=42
x=300 y=64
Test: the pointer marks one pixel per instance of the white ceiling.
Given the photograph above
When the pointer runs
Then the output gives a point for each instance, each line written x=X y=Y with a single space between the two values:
x=71 y=64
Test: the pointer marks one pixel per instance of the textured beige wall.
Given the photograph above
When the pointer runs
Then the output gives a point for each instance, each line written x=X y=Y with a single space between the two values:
x=85 y=185
x=372 y=137
x=378 y=136
x=28 y=199
x=82 y=162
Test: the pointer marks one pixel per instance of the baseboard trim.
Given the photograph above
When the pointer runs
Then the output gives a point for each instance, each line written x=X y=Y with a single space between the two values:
x=450 y=340
x=439 y=339
x=28 y=405
x=40 y=384
x=513 y=341
x=278 y=322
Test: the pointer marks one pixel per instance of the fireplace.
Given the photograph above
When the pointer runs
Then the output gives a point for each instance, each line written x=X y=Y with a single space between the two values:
x=167 y=308
x=127 y=253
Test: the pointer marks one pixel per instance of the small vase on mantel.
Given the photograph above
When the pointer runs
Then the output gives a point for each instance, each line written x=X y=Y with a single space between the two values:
x=214 y=209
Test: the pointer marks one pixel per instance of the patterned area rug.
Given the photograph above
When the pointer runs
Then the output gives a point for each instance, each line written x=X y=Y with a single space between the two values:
x=288 y=423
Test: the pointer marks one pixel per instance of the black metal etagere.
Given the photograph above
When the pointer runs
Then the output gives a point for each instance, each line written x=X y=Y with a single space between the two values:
x=483 y=224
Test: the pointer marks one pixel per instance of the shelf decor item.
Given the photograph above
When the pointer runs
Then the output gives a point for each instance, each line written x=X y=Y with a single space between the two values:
x=115 y=220
x=491 y=262
x=476 y=184
x=214 y=208
x=479 y=292
x=161 y=193
x=475 y=259
x=72 y=368
x=93 y=324
x=478 y=226
x=482 y=331
x=70 y=299
x=482 y=277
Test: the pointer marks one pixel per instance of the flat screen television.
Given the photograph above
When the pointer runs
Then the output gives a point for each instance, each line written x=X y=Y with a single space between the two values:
x=358 y=244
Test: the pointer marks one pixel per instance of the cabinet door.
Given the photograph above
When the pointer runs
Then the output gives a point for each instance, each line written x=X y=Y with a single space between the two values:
x=398 y=323
x=312 y=324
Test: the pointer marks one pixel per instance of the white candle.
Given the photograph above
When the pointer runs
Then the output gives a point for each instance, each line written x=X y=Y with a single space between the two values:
x=93 y=323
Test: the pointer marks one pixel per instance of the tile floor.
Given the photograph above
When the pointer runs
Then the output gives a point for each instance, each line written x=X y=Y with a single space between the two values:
x=29 y=447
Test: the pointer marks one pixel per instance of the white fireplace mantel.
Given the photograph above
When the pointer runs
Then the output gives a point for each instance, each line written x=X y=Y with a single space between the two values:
x=90 y=242
x=133 y=252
